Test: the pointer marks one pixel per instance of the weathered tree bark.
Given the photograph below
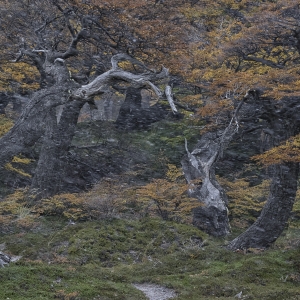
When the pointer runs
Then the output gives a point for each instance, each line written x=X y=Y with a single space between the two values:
x=31 y=124
x=53 y=156
x=198 y=167
x=283 y=122
x=199 y=170
x=38 y=113
x=275 y=214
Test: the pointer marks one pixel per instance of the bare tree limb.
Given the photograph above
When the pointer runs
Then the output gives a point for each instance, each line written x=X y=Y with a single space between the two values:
x=168 y=92
x=100 y=84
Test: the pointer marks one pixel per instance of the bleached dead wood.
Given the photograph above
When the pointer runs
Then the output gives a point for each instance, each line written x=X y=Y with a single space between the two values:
x=168 y=92
x=212 y=215
x=101 y=83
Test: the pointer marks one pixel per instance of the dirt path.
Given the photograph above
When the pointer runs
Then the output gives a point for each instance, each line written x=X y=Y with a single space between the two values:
x=155 y=292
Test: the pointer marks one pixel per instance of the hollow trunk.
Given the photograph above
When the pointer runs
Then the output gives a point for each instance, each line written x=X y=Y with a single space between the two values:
x=275 y=213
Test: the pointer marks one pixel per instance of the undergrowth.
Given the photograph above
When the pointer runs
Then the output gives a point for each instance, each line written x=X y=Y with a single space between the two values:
x=101 y=259
x=94 y=245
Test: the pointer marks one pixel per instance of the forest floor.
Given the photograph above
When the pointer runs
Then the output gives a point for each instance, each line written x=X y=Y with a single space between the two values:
x=115 y=258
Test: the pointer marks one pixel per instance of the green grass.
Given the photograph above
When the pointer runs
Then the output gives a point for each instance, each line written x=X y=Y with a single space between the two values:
x=100 y=260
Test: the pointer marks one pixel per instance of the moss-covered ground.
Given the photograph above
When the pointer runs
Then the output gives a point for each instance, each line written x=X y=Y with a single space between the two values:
x=101 y=260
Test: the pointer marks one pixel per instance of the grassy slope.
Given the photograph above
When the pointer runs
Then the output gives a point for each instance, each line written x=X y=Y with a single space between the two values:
x=100 y=260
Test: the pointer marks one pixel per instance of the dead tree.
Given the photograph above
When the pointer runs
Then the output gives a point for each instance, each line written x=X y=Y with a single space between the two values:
x=199 y=170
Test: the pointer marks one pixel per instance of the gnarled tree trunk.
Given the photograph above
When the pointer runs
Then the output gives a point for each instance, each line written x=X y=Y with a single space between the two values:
x=51 y=169
x=198 y=167
x=199 y=170
x=39 y=122
x=275 y=214
x=283 y=122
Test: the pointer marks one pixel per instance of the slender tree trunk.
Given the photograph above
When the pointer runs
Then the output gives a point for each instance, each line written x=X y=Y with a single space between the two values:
x=52 y=165
x=275 y=213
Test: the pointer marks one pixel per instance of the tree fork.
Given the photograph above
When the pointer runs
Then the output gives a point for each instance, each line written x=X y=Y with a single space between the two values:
x=199 y=165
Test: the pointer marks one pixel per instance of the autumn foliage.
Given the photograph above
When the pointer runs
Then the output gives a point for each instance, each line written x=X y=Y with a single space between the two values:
x=289 y=151
x=168 y=198
x=218 y=50
x=5 y=124
x=245 y=201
